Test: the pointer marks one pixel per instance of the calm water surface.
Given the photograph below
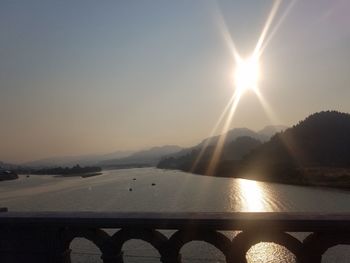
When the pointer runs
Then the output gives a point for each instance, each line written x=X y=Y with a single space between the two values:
x=173 y=191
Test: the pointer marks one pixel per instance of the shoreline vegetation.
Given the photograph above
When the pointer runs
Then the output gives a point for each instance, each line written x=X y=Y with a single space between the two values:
x=74 y=171
x=333 y=177
x=126 y=166
x=83 y=175
x=7 y=175
x=66 y=171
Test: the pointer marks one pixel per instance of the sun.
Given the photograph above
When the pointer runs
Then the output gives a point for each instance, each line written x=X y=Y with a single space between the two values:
x=247 y=74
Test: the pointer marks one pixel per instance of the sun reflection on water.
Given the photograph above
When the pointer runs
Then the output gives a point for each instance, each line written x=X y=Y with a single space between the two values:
x=269 y=252
x=252 y=196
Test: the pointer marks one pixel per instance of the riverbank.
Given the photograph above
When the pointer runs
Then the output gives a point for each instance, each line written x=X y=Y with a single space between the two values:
x=333 y=177
x=328 y=176
x=83 y=175
x=7 y=175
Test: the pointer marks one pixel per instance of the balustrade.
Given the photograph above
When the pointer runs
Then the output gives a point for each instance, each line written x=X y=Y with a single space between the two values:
x=46 y=236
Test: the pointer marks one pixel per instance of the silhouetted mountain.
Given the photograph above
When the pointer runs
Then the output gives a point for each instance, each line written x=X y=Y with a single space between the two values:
x=238 y=142
x=234 y=134
x=84 y=160
x=233 y=150
x=321 y=141
x=263 y=135
x=271 y=130
x=148 y=157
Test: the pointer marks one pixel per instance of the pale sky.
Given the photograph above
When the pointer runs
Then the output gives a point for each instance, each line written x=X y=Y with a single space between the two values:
x=81 y=77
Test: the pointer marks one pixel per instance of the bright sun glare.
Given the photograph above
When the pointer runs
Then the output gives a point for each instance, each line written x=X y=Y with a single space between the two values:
x=247 y=74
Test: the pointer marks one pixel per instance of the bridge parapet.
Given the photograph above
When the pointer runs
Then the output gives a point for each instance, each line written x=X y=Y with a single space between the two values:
x=46 y=236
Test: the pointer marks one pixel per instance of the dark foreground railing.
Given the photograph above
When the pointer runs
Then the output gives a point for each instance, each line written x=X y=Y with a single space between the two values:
x=46 y=236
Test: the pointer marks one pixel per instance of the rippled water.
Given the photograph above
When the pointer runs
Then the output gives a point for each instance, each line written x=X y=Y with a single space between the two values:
x=173 y=191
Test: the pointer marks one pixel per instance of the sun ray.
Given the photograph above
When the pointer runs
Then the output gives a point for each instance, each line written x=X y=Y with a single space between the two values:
x=226 y=35
x=273 y=118
x=221 y=140
x=277 y=26
x=207 y=142
x=266 y=27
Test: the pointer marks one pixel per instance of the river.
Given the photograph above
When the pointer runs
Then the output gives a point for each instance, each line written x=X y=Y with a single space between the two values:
x=155 y=190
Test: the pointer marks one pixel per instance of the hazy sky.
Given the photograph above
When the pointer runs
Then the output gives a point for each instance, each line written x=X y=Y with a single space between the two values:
x=80 y=77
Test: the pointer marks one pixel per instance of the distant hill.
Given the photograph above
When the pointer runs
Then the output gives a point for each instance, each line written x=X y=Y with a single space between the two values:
x=84 y=160
x=122 y=159
x=262 y=135
x=234 y=150
x=238 y=142
x=234 y=134
x=7 y=166
x=149 y=157
x=271 y=130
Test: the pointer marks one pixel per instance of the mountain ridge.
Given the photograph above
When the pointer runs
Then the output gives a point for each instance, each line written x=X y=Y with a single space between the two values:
x=135 y=157
x=251 y=139
x=148 y=157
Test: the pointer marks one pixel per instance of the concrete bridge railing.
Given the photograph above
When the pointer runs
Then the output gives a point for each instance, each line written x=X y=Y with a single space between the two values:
x=46 y=236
